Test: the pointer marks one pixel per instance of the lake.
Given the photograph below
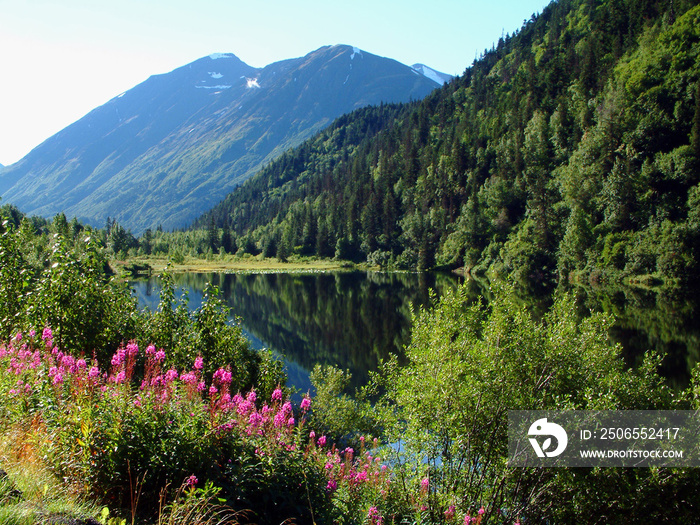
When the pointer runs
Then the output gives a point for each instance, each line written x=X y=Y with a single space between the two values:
x=349 y=319
x=356 y=319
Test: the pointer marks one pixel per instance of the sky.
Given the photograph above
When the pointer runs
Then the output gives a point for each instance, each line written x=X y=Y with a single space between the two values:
x=59 y=59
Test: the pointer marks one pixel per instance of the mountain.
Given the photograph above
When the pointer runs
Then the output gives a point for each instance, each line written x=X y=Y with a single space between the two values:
x=176 y=144
x=440 y=78
x=569 y=151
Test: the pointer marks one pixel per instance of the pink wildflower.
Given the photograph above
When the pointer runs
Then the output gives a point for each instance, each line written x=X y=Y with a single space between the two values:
x=305 y=403
x=189 y=378
x=425 y=483
x=47 y=335
x=192 y=481
x=332 y=485
x=132 y=349
x=118 y=357
x=450 y=512
x=277 y=395
x=93 y=372
x=150 y=350
x=160 y=355
x=482 y=510
x=171 y=375
x=321 y=441
x=198 y=363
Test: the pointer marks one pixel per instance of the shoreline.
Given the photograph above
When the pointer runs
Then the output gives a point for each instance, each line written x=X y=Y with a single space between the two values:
x=151 y=265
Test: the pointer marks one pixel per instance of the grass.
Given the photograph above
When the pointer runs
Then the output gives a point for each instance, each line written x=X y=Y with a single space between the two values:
x=231 y=263
x=29 y=493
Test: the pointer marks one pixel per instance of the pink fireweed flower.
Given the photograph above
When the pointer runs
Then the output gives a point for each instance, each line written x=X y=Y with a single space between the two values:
x=224 y=377
x=192 y=481
x=277 y=394
x=332 y=485
x=305 y=403
x=321 y=441
x=132 y=349
x=425 y=483
x=450 y=512
x=198 y=363
x=120 y=377
x=67 y=362
x=467 y=519
x=150 y=350
x=94 y=372
x=47 y=334
x=252 y=396
x=255 y=420
x=290 y=422
x=188 y=378
x=81 y=364
x=160 y=355
x=171 y=375
x=361 y=476
x=312 y=435
x=58 y=378
x=213 y=390
x=118 y=357
x=481 y=511
x=201 y=386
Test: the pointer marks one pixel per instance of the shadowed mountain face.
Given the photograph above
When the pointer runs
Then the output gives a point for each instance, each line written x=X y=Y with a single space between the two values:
x=176 y=144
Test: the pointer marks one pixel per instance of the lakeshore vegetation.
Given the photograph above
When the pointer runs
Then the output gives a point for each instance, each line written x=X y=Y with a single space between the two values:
x=114 y=414
x=570 y=151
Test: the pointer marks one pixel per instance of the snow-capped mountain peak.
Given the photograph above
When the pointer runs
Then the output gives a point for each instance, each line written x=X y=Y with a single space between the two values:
x=435 y=76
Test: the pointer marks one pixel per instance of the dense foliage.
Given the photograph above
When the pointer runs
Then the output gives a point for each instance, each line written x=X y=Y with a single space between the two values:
x=56 y=274
x=570 y=148
x=168 y=415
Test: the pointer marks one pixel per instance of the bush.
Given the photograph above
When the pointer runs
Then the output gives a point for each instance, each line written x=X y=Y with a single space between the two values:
x=107 y=433
x=468 y=364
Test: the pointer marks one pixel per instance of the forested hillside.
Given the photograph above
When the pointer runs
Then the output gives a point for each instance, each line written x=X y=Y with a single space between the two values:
x=570 y=149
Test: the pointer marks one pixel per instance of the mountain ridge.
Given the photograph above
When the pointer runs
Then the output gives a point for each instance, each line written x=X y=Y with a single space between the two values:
x=173 y=146
x=569 y=151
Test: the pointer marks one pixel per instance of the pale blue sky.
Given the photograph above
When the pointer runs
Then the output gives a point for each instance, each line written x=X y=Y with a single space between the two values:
x=61 y=58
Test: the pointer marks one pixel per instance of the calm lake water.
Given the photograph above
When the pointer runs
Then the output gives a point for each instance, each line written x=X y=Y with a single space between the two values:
x=355 y=319
x=348 y=319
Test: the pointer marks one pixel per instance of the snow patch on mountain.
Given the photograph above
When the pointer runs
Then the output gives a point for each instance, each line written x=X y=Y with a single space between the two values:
x=214 y=87
x=355 y=51
x=252 y=83
x=217 y=56
x=212 y=74
x=433 y=75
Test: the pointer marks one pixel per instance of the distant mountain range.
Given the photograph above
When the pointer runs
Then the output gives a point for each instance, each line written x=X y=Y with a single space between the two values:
x=172 y=147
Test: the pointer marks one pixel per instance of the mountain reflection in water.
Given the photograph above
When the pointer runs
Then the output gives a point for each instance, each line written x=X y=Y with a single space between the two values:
x=356 y=319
